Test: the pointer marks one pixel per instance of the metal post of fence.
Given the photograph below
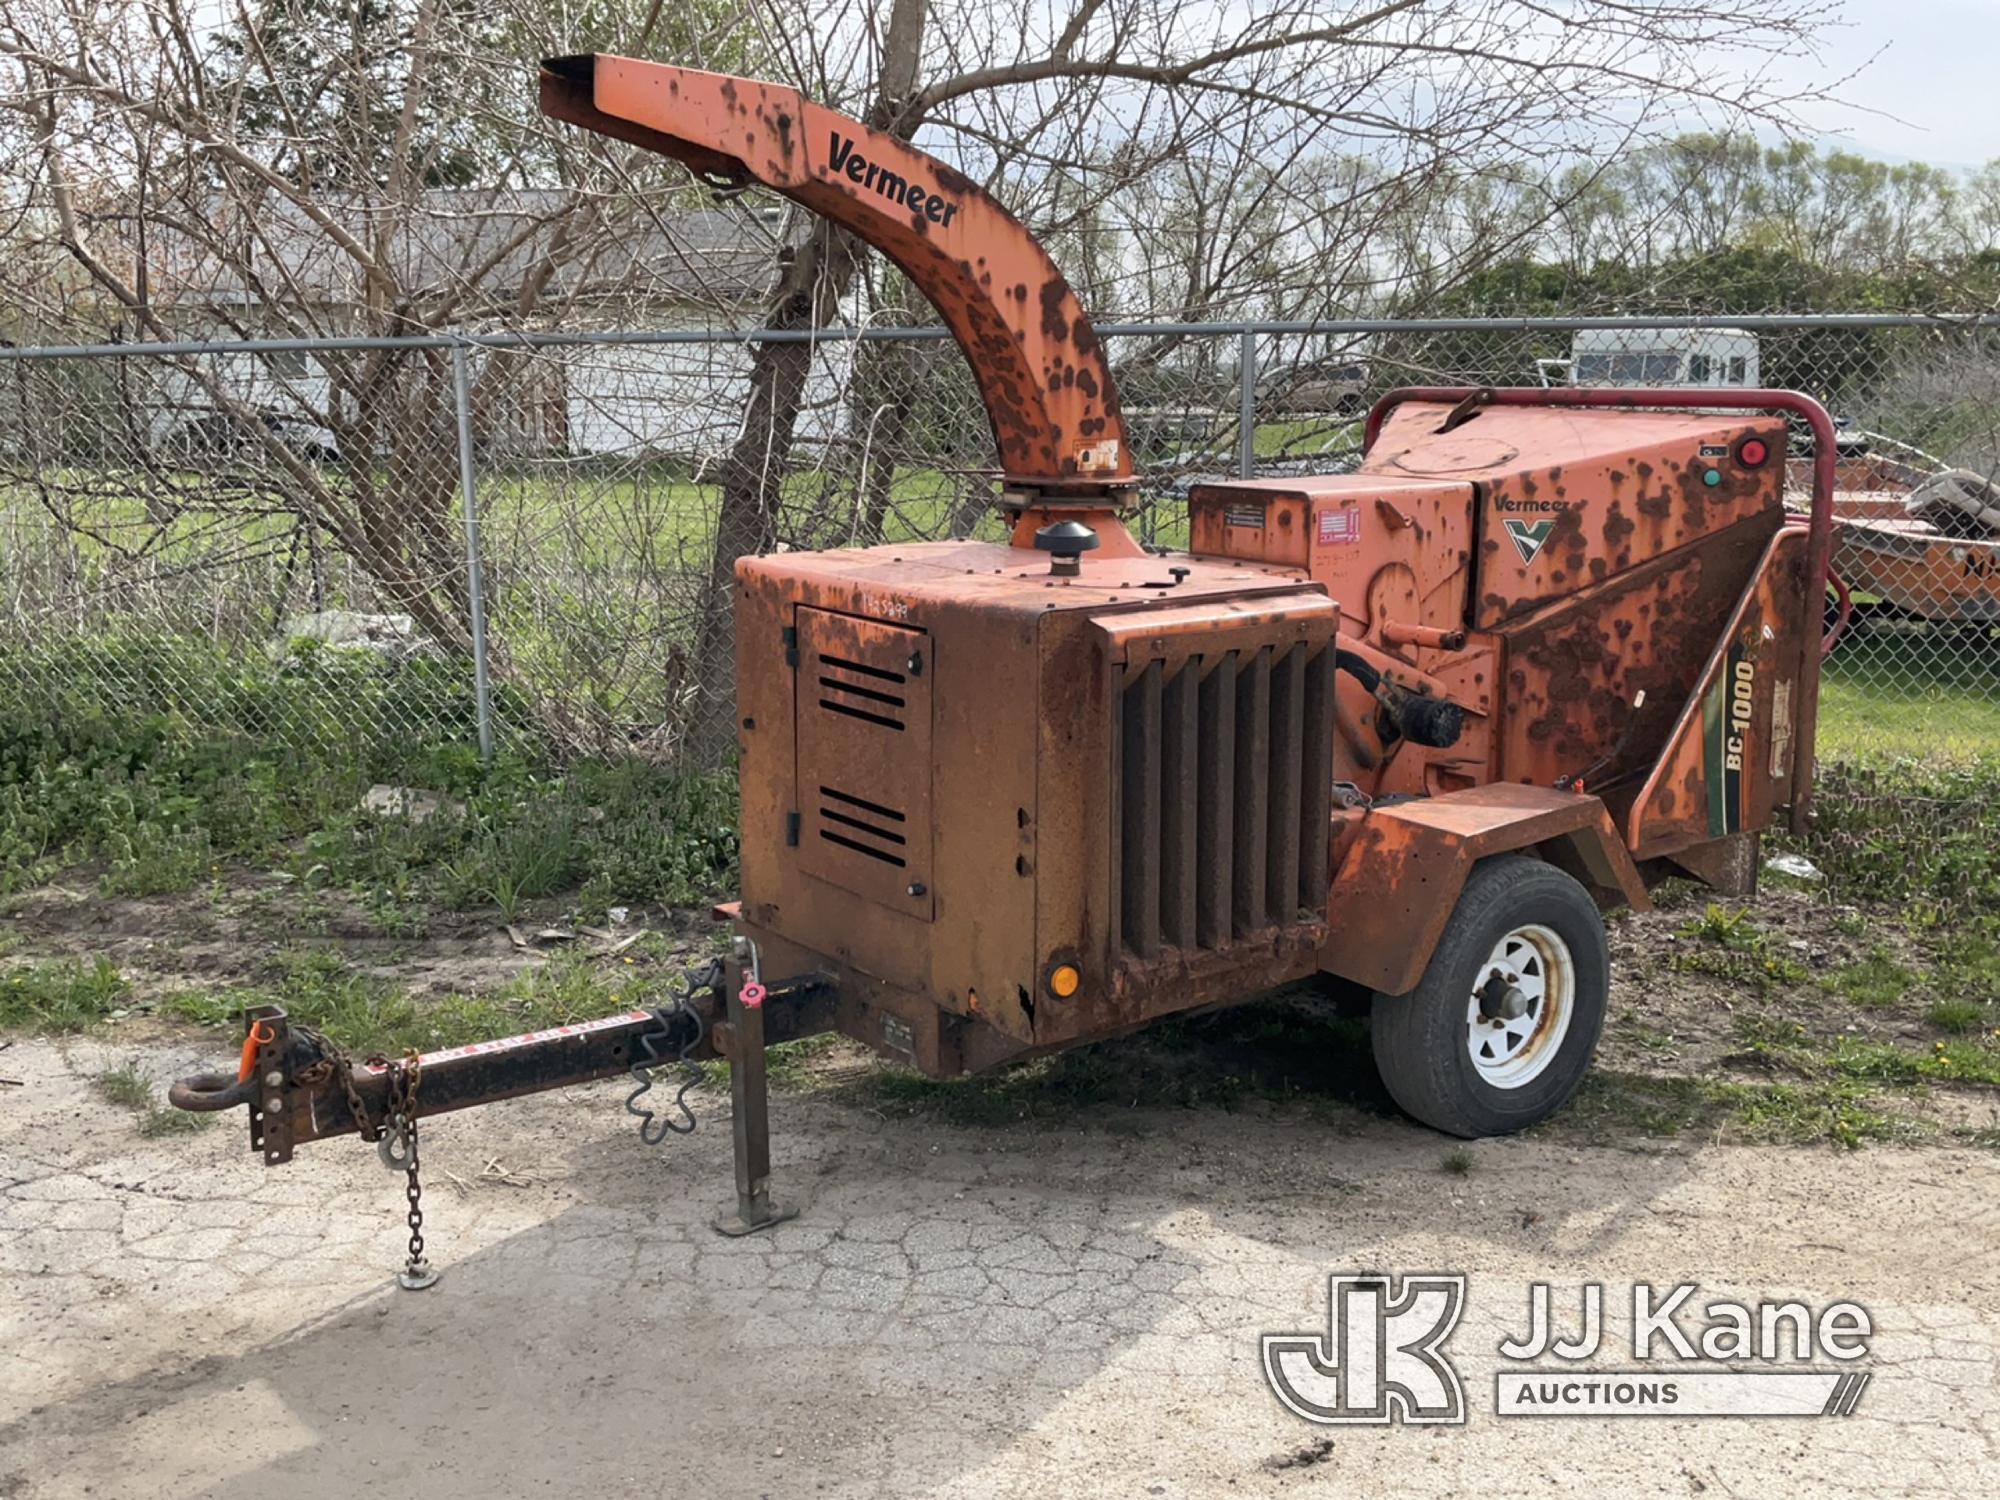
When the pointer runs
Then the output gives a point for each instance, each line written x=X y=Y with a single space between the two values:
x=1246 y=406
x=461 y=388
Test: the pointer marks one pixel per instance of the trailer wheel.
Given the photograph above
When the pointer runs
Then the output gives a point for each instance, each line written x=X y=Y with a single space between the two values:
x=1499 y=1031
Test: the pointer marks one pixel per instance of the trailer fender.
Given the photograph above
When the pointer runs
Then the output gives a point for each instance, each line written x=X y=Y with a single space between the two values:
x=1405 y=867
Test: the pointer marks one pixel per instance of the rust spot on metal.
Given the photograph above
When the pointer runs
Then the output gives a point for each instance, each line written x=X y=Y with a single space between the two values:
x=1055 y=324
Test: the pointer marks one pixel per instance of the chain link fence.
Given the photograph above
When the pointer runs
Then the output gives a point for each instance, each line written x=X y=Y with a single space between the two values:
x=438 y=544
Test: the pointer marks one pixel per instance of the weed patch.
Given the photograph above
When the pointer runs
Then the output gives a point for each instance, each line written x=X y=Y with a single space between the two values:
x=128 y=1087
x=274 y=772
x=1943 y=1062
x=125 y=1085
x=1958 y=1061
x=1732 y=946
x=1958 y=1016
x=164 y=1120
x=1876 y=980
x=1810 y=1115
x=63 y=995
x=1921 y=835
x=1841 y=1114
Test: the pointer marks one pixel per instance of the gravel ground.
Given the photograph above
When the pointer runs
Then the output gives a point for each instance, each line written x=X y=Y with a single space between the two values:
x=1063 y=1307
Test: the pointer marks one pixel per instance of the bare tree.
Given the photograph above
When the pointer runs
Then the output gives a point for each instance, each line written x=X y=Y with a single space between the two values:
x=1303 y=158
x=314 y=169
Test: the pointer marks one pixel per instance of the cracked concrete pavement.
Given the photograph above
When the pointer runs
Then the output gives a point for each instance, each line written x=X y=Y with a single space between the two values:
x=957 y=1312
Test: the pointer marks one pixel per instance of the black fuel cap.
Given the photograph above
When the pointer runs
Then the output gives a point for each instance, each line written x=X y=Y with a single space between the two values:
x=1066 y=542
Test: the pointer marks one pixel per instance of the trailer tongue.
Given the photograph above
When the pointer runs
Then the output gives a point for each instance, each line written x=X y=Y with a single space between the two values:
x=1407 y=731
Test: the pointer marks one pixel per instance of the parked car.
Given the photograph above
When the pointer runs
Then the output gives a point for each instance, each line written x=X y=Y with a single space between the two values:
x=1323 y=387
x=226 y=435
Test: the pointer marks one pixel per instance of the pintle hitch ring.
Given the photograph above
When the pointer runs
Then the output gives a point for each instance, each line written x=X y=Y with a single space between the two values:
x=210 y=1093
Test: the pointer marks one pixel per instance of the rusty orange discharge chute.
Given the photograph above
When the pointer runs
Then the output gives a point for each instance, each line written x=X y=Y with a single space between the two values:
x=1404 y=731
x=1043 y=377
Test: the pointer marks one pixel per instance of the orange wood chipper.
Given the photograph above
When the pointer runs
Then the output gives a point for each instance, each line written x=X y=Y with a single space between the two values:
x=1411 y=728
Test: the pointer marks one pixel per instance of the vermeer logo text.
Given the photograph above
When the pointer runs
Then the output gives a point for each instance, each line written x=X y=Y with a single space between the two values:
x=843 y=160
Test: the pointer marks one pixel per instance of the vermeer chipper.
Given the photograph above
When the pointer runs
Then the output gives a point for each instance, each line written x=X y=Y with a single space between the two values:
x=1410 y=728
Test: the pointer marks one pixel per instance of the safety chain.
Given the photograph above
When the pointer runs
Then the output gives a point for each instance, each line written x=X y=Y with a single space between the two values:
x=404 y=1077
x=395 y=1134
x=694 y=982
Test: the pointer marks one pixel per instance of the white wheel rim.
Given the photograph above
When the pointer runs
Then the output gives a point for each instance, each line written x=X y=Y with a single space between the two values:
x=1510 y=1052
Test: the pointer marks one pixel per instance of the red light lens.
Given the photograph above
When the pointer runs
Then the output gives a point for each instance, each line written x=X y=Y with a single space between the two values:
x=1751 y=452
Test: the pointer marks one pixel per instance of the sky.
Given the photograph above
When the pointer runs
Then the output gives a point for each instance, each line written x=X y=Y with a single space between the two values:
x=1936 y=80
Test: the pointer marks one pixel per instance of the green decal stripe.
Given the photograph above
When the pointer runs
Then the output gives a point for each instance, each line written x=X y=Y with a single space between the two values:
x=1711 y=736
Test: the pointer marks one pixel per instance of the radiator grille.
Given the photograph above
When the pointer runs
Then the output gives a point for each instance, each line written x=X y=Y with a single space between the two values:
x=1225 y=782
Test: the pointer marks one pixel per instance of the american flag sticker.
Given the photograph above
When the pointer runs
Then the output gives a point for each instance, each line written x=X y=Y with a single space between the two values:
x=1337 y=528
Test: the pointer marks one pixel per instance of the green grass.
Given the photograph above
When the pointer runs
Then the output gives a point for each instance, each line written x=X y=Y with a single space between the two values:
x=1959 y=1016
x=1457 y=1162
x=1959 y=1061
x=1876 y=980
x=128 y=1087
x=1922 y=837
x=1968 y=963
x=60 y=995
x=1839 y=1115
x=1925 y=692
x=592 y=626
x=1309 y=437
x=161 y=802
x=1843 y=1113
x=367 y=1015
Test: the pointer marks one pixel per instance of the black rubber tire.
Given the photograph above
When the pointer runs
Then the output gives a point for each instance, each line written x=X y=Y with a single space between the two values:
x=1419 y=1037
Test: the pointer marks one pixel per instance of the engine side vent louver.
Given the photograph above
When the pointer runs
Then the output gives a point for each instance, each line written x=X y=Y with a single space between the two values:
x=866 y=827
x=1225 y=779
x=871 y=694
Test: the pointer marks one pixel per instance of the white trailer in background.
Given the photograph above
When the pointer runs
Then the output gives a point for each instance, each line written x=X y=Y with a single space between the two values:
x=1724 y=357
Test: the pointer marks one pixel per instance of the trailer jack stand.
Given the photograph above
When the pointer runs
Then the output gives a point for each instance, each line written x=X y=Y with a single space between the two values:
x=742 y=1042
